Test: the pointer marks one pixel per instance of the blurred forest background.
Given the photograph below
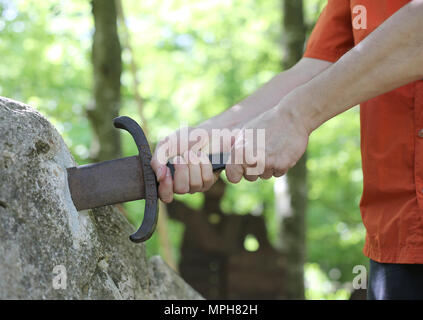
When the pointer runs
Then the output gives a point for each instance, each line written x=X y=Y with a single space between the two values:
x=182 y=61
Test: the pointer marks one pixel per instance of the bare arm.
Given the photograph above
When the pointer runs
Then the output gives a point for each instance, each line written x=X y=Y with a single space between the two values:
x=268 y=95
x=391 y=56
x=193 y=178
x=388 y=58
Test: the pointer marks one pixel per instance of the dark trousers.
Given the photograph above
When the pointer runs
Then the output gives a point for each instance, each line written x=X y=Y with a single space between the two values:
x=389 y=281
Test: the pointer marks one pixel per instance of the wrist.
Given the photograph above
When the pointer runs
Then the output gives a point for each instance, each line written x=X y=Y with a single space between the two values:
x=205 y=126
x=306 y=108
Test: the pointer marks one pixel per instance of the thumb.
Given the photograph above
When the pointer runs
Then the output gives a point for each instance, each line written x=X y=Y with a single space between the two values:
x=173 y=145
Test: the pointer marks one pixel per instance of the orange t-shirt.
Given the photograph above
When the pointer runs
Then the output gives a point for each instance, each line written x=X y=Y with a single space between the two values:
x=391 y=137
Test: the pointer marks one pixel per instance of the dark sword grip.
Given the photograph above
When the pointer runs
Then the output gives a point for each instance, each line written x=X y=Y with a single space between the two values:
x=218 y=162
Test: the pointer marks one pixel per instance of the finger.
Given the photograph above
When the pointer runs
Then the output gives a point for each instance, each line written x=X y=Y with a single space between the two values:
x=256 y=168
x=267 y=174
x=206 y=171
x=161 y=173
x=160 y=158
x=234 y=172
x=279 y=173
x=195 y=179
x=235 y=169
x=198 y=140
x=249 y=174
x=166 y=188
x=250 y=178
x=158 y=168
x=181 y=176
x=173 y=145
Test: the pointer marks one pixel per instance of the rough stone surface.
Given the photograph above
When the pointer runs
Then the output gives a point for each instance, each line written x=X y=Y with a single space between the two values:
x=41 y=233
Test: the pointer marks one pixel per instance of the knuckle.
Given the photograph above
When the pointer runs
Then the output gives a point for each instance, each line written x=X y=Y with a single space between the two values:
x=251 y=178
x=280 y=167
x=264 y=176
x=164 y=189
x=181 y=189
x=167 y=199
x=208 y=178
x=270 y=162
x=195 y=186
x=233 y=176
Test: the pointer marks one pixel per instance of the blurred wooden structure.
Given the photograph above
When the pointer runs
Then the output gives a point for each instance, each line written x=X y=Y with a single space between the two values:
x=213 y=258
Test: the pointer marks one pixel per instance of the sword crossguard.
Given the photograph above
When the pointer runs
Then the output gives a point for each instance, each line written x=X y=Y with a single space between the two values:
x=149 y=222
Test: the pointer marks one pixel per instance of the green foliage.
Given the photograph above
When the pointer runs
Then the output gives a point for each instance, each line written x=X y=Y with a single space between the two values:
x=196 y=59
x=44 y=50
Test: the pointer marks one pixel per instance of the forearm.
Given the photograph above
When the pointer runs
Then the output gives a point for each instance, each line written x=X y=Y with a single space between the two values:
x=267 y=96
x=388 y=58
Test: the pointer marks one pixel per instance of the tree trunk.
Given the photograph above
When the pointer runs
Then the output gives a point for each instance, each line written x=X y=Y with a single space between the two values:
x=292 y=235
x=162 y=229
x=107 y=68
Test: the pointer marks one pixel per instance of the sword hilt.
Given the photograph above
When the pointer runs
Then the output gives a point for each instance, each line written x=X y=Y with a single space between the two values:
x=218 y=162
x=151 y=211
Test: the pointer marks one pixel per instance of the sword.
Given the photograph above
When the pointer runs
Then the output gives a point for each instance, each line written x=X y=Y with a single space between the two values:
x=125 y=179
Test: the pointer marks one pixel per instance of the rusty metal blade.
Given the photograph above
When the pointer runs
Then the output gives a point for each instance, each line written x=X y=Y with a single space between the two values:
x=105 y=183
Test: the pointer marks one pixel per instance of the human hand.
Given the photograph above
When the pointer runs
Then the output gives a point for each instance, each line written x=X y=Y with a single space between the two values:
x=286 y=139
x=188 y=148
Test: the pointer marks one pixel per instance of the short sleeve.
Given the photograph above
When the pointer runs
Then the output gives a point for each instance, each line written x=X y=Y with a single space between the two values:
x=332 y=36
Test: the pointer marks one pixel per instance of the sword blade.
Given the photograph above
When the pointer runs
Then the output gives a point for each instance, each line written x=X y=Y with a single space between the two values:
x=105 y=183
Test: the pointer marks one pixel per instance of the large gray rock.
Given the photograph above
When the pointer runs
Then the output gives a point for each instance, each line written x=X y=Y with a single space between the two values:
x=46 y=245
